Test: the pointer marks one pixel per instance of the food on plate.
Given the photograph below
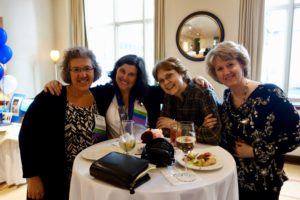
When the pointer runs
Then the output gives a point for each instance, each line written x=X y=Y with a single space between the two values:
x=201 y=160
x=151 y=134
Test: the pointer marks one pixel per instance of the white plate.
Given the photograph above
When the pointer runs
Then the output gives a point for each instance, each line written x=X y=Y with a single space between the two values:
x=179 y=158
x=4 y=127
x=96 y=153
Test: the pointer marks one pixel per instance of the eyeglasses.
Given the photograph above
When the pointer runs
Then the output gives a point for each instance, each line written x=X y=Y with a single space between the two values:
x=167 y=77
x=77 y=70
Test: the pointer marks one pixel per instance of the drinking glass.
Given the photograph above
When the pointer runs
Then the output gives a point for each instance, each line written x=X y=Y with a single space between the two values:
x=127 y=138
x=186 y=142
x=174 y=132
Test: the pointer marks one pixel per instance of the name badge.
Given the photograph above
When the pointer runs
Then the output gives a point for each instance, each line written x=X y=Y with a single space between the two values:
x=100 y=127
x=139 y=114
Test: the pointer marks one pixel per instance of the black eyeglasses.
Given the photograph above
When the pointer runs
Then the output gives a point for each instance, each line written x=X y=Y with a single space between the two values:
x=77 y=70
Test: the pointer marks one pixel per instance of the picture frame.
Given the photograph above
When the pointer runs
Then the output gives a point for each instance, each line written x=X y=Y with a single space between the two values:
x=15 y=106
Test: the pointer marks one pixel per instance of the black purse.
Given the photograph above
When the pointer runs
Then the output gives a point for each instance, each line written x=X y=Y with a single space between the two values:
x=159 y=152
x=121 y=170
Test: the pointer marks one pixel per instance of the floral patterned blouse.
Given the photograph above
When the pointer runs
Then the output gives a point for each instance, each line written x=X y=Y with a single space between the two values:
x=270 y=124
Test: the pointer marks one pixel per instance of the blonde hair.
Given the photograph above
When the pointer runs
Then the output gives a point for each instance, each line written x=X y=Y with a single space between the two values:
x=227 y=50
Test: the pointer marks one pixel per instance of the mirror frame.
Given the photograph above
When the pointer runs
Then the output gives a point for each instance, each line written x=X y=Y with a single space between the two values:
x=189 y=17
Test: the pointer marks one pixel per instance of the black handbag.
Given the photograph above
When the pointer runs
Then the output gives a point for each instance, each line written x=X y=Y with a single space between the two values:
x=121 y=170
x=159 y=152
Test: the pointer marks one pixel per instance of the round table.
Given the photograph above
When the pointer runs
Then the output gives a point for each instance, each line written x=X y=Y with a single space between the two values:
x=220 y=184
x=10 y=160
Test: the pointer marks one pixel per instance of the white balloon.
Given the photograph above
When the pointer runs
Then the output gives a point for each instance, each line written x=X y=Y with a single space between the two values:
x=8 y=84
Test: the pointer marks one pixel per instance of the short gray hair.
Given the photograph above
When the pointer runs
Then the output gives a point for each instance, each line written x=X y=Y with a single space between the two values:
x=78 y=52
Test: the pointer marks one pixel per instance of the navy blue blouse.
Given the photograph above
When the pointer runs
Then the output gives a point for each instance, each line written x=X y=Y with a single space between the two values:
x=270 y=124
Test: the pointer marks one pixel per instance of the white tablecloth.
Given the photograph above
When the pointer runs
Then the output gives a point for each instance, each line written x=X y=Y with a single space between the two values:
x=10 y=160
x=218 y=184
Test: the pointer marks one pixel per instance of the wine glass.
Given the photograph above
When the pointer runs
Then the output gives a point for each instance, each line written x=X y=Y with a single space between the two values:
x=127 y=138
x=186 y=142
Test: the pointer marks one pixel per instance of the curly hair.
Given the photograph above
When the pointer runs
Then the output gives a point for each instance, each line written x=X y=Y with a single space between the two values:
x=78 y=52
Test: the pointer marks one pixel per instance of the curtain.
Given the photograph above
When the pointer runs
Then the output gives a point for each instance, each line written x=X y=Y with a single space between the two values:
x=159 y=29
x=251 y=33
x=78 y=24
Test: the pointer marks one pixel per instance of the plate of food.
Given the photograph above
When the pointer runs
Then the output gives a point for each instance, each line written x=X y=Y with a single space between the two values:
x=200 y=159
x=96 y=153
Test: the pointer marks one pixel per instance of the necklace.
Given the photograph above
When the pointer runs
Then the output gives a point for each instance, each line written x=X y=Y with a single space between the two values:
x=239 y=100
x=245 y=92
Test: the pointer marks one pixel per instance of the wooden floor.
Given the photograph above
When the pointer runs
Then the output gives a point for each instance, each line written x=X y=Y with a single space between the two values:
x=290 y=189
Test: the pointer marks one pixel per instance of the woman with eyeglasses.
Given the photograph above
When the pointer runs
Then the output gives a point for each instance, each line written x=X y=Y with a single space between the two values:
x=56 y=128
x=184 y=101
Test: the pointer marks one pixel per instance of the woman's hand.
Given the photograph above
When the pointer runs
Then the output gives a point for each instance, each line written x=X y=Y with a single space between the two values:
x=202 y=82
x=243 y=150
x=54 y=87
x=164 y=122
x=209 y=121
x=35 y=188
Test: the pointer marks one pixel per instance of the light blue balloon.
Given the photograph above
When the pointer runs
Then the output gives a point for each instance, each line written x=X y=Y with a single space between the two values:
x=3 y=37
x=5 y=54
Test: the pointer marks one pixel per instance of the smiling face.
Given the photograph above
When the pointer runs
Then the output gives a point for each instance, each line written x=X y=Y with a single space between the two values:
x=171 y=82
x=126 y=77
x=81 y=73
x=229 y=72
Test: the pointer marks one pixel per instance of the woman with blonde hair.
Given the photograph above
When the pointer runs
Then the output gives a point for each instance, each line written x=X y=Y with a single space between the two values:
x=259 y=123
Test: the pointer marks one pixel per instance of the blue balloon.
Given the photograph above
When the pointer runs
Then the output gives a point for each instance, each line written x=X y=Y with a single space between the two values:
x=5 y=54
x=1 y=72
x=3 y=37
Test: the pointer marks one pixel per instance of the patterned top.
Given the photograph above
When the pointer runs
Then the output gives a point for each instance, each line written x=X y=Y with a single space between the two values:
x=79 y=126
x=196 y=104
x=270 y=124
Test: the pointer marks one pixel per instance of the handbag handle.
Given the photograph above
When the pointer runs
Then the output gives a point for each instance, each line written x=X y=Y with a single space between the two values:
x=139 y=176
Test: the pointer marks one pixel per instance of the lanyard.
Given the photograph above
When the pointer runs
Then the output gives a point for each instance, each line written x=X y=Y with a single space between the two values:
x=121 y=103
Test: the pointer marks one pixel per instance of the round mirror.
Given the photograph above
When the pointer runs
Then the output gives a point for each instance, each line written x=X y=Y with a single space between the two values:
x=198 y=33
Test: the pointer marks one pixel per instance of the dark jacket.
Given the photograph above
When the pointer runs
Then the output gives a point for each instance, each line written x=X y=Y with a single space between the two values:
x=41 y=141
x=152 y=100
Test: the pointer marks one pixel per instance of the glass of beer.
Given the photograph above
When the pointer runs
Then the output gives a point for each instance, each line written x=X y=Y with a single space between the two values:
x=186 y=142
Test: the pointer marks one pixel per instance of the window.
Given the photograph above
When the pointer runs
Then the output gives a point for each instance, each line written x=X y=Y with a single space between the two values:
x=119 y=27
x=281 y=60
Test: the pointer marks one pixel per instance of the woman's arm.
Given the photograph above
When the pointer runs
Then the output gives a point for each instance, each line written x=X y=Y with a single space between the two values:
x=54 y=87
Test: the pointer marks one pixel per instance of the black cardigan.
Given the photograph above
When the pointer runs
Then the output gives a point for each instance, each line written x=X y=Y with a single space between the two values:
x=42 y=143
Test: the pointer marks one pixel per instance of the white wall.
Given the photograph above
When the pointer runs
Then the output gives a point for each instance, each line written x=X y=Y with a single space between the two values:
x=29 y=26
x=176 y=10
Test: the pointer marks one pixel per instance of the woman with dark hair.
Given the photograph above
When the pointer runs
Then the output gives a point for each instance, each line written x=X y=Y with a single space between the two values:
x=129 y=90
x=56 y=128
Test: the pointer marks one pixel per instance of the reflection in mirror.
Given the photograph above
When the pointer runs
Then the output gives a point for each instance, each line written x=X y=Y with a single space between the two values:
x=197 y=34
